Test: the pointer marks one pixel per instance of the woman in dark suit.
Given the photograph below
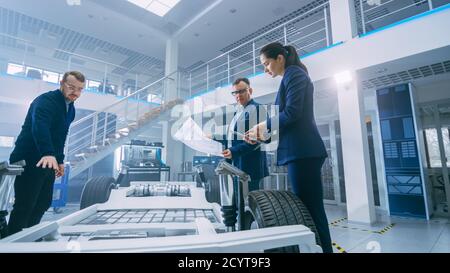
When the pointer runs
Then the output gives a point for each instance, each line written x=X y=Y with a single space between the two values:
x=300 y=146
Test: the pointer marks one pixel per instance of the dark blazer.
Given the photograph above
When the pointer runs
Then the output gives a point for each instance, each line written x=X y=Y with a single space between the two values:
x=249 y=158
x=45 y=129
x=299 y=137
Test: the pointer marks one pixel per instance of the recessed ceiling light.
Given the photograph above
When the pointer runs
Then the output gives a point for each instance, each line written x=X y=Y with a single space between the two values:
x=381 y=70
x=52 y=35
x=278 y=11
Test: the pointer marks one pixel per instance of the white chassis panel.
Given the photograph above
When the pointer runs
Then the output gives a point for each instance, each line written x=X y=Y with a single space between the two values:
x=198 y=236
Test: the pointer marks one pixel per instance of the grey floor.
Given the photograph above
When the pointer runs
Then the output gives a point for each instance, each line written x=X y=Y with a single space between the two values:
x=51 y=215
x=389 y=235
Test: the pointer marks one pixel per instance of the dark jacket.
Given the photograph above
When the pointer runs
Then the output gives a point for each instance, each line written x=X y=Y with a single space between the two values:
x=249 y=158
x=299 y=137
x=45 y=129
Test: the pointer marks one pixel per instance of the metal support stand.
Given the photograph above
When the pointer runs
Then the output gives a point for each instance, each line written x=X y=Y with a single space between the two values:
x=8 y=175
x=228 y=176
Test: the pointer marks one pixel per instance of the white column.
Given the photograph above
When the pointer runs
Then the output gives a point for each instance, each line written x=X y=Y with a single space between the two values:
x=171 y=66
x=172 y=153
x=355 y=151
x=335 y=164
x=422 y=155
x=379 y=161
x=437 y=122
x=343 y=20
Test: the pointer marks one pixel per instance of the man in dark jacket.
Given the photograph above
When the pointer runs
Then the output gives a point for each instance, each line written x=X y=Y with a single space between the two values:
x=247 y=157
x=41 y=145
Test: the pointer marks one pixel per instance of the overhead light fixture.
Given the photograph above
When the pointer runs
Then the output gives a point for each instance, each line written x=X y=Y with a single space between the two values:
x=158 y=7
x=343 y=77
x=374 y=2
x=52 y=35
x=381 y=70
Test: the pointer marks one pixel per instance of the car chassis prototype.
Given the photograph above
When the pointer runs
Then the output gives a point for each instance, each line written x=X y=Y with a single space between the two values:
x=173 y=217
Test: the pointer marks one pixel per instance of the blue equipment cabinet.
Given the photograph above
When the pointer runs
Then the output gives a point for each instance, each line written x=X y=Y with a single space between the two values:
x=404 y=177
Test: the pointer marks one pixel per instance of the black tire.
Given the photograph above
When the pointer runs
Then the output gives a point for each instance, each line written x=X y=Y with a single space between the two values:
x=122 y=180
x=96 y=190
x=3 y=225
x=271 y=208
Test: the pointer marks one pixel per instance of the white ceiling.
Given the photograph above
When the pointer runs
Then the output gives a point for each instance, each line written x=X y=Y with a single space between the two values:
x=206 y=25
x=219 y=28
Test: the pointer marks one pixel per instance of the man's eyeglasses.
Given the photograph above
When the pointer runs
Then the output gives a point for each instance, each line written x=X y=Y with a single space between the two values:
x=73 y=88
x=242 y=91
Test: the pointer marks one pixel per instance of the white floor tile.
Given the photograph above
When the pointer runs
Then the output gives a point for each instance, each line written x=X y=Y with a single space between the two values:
x=408 y=235
x=441 y=247
x=382 y=244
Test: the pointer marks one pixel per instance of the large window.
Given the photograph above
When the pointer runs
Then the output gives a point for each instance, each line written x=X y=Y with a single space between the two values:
x=52 y=77
x=433 y=147
x=154 y=98
x=93 y=85
x=6 y=142
x=34 y=73
x=15 y=69
x=55 y=77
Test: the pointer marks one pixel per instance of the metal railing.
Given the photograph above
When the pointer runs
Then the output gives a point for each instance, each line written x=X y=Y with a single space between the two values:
x=96 y=130
x=102 y=76
x=308 y=32
x=372 y=15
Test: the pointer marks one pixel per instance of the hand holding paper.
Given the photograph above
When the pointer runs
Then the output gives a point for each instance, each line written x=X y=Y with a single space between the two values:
x=192 y=136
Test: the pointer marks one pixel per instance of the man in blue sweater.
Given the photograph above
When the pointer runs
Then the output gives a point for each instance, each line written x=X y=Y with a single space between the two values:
x=41 y=145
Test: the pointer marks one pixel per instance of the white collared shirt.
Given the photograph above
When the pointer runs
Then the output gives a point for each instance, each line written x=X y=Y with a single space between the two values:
x=237 y=116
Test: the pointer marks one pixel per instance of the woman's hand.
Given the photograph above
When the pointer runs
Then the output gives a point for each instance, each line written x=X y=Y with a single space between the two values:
x=256 y=134
x=60 y=171
x=251 y=135
x=227 y=154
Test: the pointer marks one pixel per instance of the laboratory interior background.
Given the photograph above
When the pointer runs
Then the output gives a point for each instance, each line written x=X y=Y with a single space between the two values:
x=381 y=74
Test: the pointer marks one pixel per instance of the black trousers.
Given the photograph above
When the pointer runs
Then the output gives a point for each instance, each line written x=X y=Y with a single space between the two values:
x=33 y=196
x=306 y=180
x=240 y=198
x=255 y=185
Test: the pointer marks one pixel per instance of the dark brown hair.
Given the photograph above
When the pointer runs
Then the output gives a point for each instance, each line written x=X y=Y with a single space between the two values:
x=273 y=50
x=238 y=80
x=78 y=75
